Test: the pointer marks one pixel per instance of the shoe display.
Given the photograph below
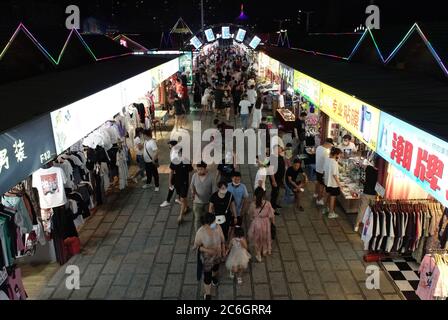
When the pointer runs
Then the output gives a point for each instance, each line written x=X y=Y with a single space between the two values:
x=332 y=216
x=165 y=204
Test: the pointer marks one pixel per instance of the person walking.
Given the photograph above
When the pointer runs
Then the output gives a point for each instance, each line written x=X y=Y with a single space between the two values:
x=278 y=178
x=252 y=97
x=171 y=189
x=294 y=183
x=139 y=146
x=222 y=204
x=180 y=112
x=332 y=183
x=151 y=158
x=227 y=104
x=210 y=243
x=238 y=259
x=257 y=115
x=202 y=188
x=322 y=154
x=369 y=194
x=245 y=111
x=259 y=234
x=240 y=194
x=180 y=169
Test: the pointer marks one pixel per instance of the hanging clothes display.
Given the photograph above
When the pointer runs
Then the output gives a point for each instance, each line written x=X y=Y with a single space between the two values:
x=403 y=227
x=433 y=271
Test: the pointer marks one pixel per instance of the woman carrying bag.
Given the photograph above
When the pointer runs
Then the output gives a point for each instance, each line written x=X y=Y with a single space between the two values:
x=222 y=204
x=210 y=243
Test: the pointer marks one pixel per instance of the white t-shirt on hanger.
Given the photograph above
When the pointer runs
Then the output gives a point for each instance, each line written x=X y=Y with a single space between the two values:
x=50 y=185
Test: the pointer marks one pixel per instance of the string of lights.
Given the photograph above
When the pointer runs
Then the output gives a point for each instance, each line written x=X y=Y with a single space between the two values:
x=47 y=54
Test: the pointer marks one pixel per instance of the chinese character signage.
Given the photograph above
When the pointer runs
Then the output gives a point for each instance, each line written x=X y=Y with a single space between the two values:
x=287 y=74
x=307 y=87
x=360 y=119
x=419 y=155
x=24 y=150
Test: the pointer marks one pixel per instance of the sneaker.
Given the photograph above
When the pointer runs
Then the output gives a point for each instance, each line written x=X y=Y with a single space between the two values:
x=240 y=280
x=146 y=186
x=156 y=189
x=215 y=282
x=356 y=229
x=315 y=196
x=276 y=213
x=333 y=216
x=325 y=210
x=207 y=297
x=320 y=202
x=165 y=204
x=302 y=190
x=232 y=275
x=178 y=201
x=135 y=180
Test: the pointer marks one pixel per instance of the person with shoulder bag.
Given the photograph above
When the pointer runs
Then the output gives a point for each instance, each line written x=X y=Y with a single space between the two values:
x=151 y=157
x=222 y=204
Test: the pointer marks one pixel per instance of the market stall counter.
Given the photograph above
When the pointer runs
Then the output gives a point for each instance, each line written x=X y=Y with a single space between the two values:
x=287 y=119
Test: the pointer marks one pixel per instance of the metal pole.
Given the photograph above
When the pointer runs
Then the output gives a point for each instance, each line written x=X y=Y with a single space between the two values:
x=202 y=14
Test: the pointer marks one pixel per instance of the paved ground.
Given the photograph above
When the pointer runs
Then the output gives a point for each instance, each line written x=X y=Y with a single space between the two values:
x=135 y=250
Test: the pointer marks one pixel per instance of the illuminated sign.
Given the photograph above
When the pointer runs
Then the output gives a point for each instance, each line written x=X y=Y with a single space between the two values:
x=75 y=121
x=361 y=119
x=241 y=35
x=419 y=155
x=307 y=87
x=226 y=33
x=24 y=150
x=255 y=42
x=210 y=35
x=196 y=42
x=287 y=74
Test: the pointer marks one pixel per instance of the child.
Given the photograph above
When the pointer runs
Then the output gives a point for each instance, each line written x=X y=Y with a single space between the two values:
x=239 y=257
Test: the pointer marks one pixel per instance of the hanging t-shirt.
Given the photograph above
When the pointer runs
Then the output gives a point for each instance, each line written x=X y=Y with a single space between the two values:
x=50 y=185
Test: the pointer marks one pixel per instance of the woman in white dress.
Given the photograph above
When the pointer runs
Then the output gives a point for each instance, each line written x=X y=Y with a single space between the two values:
x=257 y=115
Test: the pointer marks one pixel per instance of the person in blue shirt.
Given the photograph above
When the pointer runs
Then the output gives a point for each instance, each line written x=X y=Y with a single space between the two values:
x=240 y=194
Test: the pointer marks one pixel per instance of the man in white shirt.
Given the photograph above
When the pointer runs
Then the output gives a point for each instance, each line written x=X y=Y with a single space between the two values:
x=331 y=180
x=252 y=97
x=151 y=157
x=245 y=111
x=281 y=100
x=322 y=154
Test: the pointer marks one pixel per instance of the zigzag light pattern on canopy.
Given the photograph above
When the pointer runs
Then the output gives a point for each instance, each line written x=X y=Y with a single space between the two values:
x=428 y=44
x=414 y=28
x=54 y=61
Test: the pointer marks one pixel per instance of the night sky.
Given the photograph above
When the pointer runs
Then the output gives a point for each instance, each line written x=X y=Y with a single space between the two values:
x=160 y=15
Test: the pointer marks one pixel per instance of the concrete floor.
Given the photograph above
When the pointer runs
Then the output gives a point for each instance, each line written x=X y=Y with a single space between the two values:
x=135 y=250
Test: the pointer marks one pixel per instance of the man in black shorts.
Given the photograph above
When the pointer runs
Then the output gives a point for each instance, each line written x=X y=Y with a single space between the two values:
x=181 y=169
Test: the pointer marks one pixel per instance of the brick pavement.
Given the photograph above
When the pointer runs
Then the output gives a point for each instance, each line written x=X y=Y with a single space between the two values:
x=134 y=250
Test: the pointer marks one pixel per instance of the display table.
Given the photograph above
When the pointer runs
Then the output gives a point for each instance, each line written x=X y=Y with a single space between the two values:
x=286 y=119
x=350 y=195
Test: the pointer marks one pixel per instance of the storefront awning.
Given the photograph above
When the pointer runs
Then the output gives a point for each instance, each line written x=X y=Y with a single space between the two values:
x=25 y=100
x=417 y=99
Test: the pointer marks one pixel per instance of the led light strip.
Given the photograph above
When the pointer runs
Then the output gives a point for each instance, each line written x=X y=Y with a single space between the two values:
x=368 y=31
x=427 y=43
x=55 y=62
x=129 y=39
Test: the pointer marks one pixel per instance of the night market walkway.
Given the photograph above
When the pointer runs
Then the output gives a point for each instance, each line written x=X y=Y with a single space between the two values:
x=133 y=249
